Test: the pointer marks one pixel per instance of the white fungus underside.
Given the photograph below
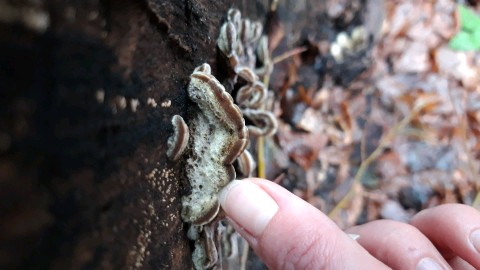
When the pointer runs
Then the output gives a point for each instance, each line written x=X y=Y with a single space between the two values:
x=210 y=139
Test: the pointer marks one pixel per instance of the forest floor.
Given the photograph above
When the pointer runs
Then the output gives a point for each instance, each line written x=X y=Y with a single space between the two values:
x=402 y=136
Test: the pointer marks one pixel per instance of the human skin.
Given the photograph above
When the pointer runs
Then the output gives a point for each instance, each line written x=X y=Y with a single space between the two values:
x=288 y=233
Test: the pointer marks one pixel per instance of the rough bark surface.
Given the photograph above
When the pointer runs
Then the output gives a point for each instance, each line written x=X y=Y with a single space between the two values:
x=84 y=182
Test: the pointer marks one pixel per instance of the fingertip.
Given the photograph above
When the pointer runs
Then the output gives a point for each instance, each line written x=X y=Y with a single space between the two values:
x=399 y=245
x=455 y=230
x=287 y=232
x=248 y=205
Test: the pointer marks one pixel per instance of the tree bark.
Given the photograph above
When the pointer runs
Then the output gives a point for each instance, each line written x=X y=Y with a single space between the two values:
x=87 y=92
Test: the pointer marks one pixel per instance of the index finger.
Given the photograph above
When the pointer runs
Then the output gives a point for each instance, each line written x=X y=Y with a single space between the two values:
x=293 y=235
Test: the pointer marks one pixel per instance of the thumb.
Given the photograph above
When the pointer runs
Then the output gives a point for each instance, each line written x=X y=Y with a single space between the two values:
x=288 y=233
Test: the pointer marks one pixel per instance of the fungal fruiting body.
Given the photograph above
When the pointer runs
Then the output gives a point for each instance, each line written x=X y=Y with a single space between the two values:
x=246 y=164
x=251 y=96
x=218 y=136
x=178 y=141
x=215 y=137
x=265 y=122
x=238 y=40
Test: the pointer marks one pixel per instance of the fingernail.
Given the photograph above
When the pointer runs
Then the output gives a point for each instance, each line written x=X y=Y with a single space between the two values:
x=353 y=236
x=248 y=205
x=428 y=264
x=475 y=239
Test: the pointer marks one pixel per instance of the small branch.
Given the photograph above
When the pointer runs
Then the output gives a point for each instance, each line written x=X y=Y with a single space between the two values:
x=376 y=153
x=288 y=54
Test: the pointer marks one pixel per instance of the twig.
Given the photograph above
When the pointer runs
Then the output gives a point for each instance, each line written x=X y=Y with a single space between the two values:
x=244 y=258
x=476 y=202
x=375 y=154
x=463 y=139
x=261 y=157
x=288 y=54
x=261 y=141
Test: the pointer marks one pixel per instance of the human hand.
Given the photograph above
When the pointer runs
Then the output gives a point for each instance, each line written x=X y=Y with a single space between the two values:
x=288 y=233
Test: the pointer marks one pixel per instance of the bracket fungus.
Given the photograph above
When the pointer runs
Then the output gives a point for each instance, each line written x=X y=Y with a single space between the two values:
x=178 y=142
x=265 y=122
x=239 y=39
x=218 y=136
x=215 y=137
x=251 y=96
x=246 y=164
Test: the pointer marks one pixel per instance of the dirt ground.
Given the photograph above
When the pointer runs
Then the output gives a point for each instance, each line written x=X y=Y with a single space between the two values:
x=400 y=137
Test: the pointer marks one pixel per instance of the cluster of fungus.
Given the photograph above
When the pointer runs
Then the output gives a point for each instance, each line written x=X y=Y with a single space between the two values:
x=242 y=43
x=345 y=45
x=239 y=39
x=214 y=139
x=217 y=136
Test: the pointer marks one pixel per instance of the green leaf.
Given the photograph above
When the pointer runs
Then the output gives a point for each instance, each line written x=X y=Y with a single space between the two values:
x=476 y=37
x=463 y=41
x=468 y=38
x=469 y=20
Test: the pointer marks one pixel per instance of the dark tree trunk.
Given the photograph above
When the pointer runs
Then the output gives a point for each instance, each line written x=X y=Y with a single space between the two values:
x=86 y=96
